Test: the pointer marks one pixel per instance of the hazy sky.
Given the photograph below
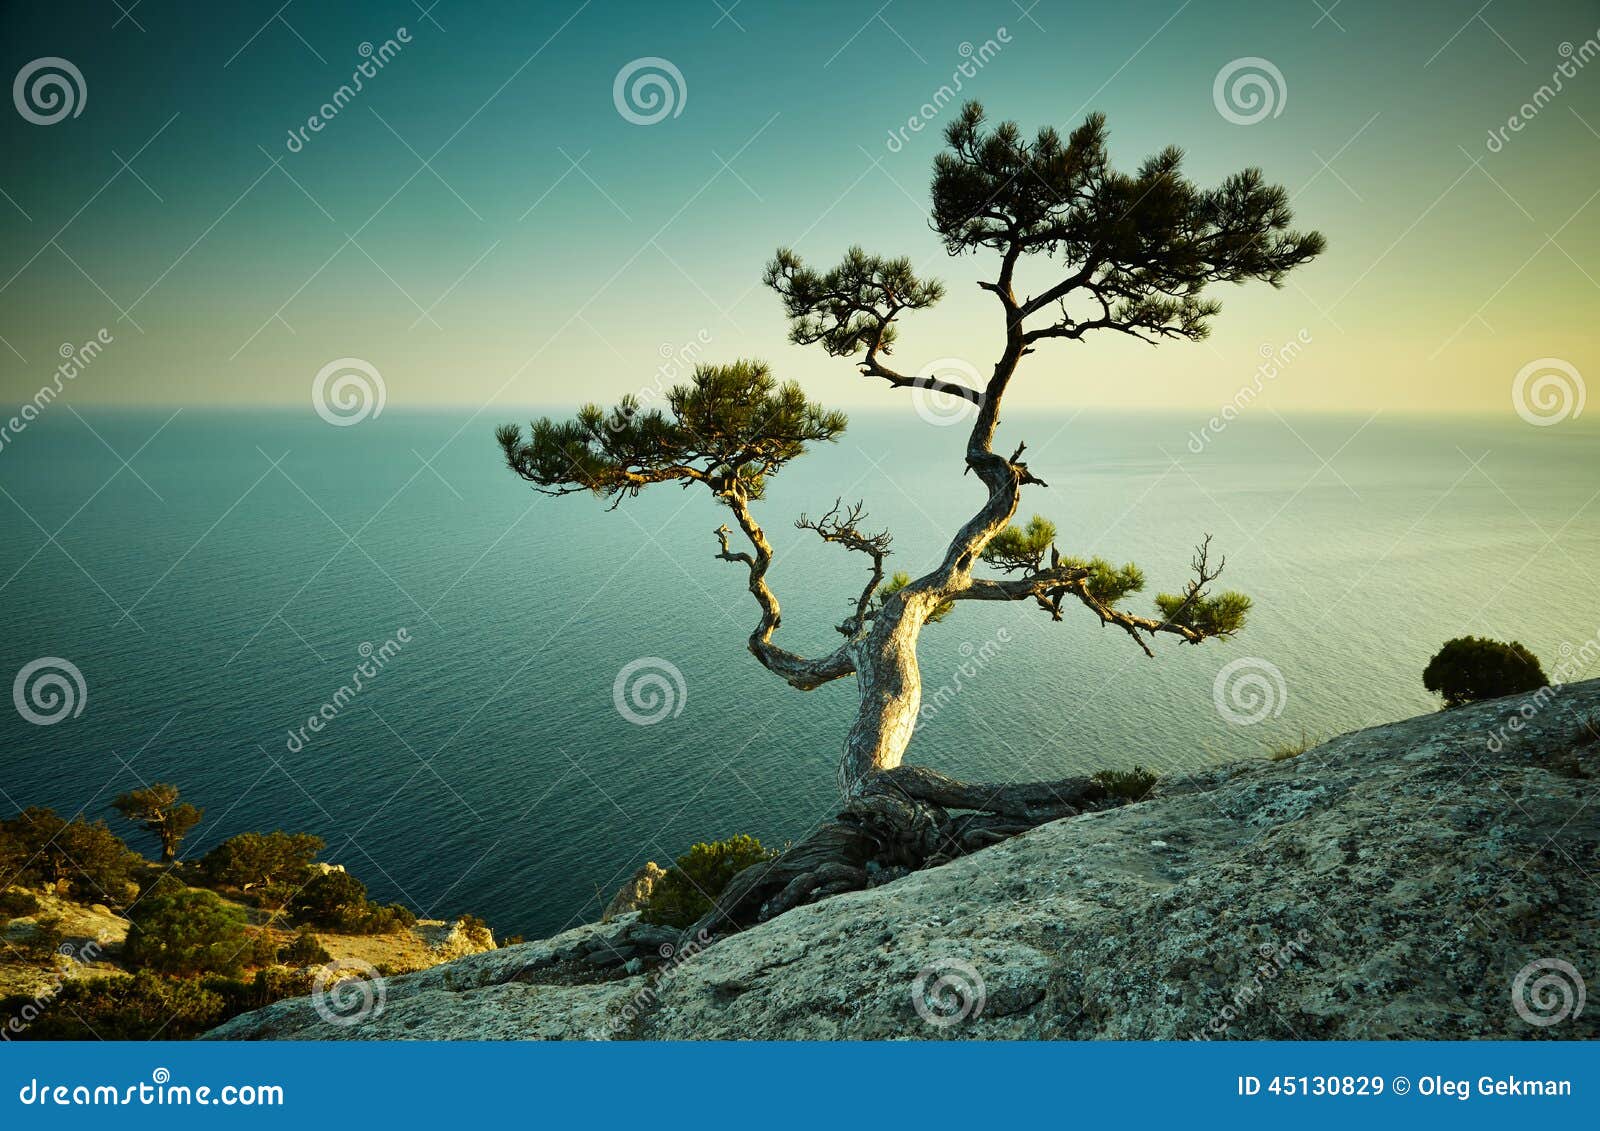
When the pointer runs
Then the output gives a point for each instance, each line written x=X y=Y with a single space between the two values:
x=550 y=250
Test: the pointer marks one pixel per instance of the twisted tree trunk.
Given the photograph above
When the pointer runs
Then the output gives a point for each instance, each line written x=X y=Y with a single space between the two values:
x=894 y=818
x=885 y=660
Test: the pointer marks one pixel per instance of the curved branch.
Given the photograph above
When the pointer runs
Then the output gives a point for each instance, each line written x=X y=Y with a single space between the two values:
x=795 y=670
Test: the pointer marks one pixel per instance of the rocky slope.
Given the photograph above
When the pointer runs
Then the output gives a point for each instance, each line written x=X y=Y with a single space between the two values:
x=1391 y=883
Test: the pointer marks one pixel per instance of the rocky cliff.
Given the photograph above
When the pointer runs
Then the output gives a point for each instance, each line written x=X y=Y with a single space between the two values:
x=1434 y=878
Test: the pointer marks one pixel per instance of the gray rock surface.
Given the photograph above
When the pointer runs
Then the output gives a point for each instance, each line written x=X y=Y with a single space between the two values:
x=1390 y=883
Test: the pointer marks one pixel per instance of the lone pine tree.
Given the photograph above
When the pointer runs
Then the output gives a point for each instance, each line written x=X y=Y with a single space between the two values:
x=1132 y=254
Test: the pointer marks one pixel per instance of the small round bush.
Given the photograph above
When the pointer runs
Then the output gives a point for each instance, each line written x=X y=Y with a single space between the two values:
x=700 y=875
x=334 y=900
x=1127 y=785
x=15 y=903
x=179 y=931
x=305 y=950
x=1470 y=669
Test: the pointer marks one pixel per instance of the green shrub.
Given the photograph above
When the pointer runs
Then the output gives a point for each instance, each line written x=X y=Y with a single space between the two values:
x=120 y=1008
x=1470 y=669
x=331 y=900
x=337 y=901
x=15 y=903
x=691 y=885
x=1283 y=751
x=259 y=991
x=85 y=857
x=376 y=920
x=179 y=930
x=42 y=943
x=271 y=897
x=1129 y=785
x=304 y=950
x=249 y=861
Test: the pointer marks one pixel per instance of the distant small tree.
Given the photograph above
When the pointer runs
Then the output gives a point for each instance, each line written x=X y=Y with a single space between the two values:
x=157 y=809
x=180 y=930
x=1079 y=250
x=256 y=860
x=1470 y=669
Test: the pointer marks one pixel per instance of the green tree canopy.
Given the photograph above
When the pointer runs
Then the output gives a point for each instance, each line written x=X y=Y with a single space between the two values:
x=253 y=860
x=1473 y=668
x=180 y=930
x=731 y=424
x=86 y=856
x=157 y=810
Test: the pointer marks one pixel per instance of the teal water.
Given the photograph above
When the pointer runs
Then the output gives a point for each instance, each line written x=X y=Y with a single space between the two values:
x=486 y=768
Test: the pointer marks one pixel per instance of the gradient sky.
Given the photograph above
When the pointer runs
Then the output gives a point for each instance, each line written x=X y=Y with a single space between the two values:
x=226 y=280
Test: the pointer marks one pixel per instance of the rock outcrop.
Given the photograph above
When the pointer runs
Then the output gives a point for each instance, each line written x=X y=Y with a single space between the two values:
x=632 y=895
x=1397 y=882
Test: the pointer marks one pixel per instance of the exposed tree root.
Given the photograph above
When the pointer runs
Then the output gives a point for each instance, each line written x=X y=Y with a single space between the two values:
x=898 y=821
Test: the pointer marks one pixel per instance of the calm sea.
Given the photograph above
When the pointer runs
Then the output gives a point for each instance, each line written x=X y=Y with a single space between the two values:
x=223 y=586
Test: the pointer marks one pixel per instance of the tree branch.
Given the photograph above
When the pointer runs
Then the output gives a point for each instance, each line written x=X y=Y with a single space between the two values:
x=795 y=670
x=841 y=525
